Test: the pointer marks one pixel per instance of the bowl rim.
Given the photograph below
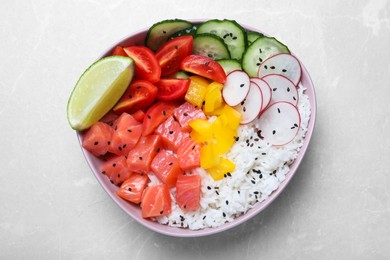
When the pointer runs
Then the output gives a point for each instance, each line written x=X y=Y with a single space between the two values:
x=185 y=232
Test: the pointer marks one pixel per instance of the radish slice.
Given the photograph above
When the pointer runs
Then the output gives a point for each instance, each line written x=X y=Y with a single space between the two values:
x=265 y=90
x=236 y=87
x=279 y=123
x=250 y=107
x=282 y=89
x=282 y=64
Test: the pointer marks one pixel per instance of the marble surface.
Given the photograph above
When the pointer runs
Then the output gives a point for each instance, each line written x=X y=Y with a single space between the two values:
x=336 y=207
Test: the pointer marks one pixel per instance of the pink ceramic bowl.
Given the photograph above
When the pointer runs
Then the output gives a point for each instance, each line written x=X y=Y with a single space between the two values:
x=134 y=211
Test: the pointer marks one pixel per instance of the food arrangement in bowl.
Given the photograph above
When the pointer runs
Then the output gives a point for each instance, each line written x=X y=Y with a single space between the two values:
x=191 y=127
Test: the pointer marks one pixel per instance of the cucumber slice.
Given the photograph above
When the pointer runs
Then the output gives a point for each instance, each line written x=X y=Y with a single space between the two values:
x=260 y=50
x=229 y=65
x=187 y=31
x=159 y=33
x=180 y=75
x=230 y=31
x=253 y=36
x=211 y=46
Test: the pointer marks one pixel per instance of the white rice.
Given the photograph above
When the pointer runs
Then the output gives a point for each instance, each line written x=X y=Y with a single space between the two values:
x=259 y=171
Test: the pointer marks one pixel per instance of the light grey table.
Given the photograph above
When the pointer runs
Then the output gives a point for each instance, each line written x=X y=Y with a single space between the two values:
x=337 y=205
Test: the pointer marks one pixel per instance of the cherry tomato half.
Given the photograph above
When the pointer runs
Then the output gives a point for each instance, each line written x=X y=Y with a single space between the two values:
x=139 y=95
x=171 y=54
x=146 y=64
x=118 y=51
x=157 y=114
x=170 y=89
x=204 y=66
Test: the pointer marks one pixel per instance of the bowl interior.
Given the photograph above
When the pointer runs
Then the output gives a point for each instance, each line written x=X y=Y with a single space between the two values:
x=134 y=210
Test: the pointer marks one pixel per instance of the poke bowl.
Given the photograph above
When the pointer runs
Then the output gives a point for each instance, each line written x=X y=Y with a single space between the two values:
x=262 y=170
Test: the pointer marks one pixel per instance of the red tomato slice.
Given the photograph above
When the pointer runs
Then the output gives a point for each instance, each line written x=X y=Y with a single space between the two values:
x=118 y=51
x=204 y=66
x=132 y=188
x=139 y=95
x=157 y=114
x=170 y=89
x=146 y=64
x=156 y=201
x=188 y=191
x=171 y=54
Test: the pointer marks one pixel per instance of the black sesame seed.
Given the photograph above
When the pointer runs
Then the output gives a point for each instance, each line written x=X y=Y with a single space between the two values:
x=274 y=89
x=120 y=148
x=193 y=147
x=251 y=145
x=161 y=212
x=295 y=125
x=138 y=87
x=158 y=149
x=217 y=192
x=96 y=143
x=260 y=50
x=129 y=130
x=119 y=175
x=112 y=182
x=273 y=132
x=176 y=47
x=258 y=64
x=288 y=89
x=225 y=175
x=227 y=202
x=164 y=32
x=116 y=127
x=234 y=38
x=185 y=114
x=149 y=116
x=204 y=217
x=272 y=67
x=208 y=187
x=256 y=192
x=238 y=192
x=279 y=110
x=114 y=164
x=265 y=67
x=256 y=139
x=170 y=163
x=129 y=189
x=164 y=113
x=237 y=138
x=103 y=172
x=263 y=153
x=229 y=174
x=223 y=214
x=207 y=63
x=294 y=98
x=140 y=158
x=244 y=109
x=253 y=181
x=242 y=85
x=170 y=132
x=182 y=218
x=130 y=96
x=124 y=146
x=284 y=70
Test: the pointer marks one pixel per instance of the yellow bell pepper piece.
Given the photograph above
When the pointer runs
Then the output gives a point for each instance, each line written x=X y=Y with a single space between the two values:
x=213 y=97
x=201 y=130
x=231 y=117
x=197 y=91
x=224 y=166
x=209 y=156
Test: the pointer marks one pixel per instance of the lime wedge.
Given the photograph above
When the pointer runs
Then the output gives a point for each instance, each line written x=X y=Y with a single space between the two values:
x=98 y=90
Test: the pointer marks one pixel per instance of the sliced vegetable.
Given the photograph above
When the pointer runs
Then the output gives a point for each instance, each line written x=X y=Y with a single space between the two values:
x=251 y=106
x=159 y=33
x=139 y=95
x=282 y=89
x=196 y=91
x=279 y=123
x=224 y=168
x=229 y=65
x=284 y=64
x=260 y=50
x=210 y=45
x=146 y=64
x=188 y=31
x=118 y=51
x=253 y=36
x=204 y=66
x=230 y=31
x=236 y=87
x=265 y=90
x=172 y=89
x=171 y=54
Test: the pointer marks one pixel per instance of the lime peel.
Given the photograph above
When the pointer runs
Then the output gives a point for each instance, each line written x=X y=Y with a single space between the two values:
x=98 y=90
